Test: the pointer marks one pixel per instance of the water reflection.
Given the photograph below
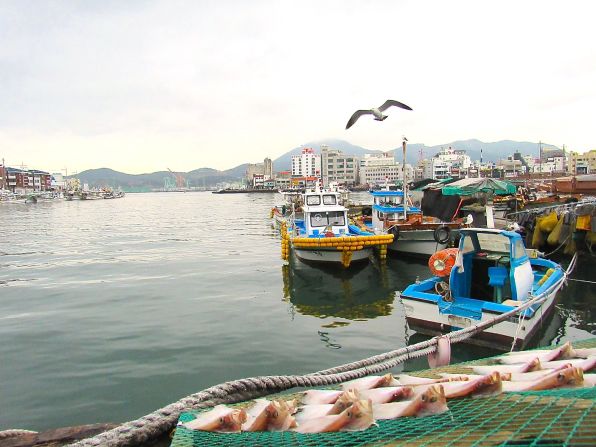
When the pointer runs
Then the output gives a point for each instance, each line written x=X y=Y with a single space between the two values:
x=361 y=293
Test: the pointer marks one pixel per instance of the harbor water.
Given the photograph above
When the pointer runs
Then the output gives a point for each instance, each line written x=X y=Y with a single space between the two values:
x=111 y=309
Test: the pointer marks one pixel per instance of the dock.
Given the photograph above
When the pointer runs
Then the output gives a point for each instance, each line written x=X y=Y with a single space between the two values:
x=556 y=417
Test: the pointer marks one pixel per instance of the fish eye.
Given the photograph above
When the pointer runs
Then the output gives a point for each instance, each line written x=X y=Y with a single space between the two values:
x=222 y=420
x=433 y=399
x=424 y=398
x=560 y=377
x=276 y=414
x=349 y=414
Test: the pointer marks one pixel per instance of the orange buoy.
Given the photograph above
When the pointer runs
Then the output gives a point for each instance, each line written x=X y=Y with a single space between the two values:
x=441 y=263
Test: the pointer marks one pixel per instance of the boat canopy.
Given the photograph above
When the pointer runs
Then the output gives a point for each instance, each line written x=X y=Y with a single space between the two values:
x=469 y=186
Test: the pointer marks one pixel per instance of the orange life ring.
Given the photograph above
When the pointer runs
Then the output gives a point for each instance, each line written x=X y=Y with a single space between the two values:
x=441 y=263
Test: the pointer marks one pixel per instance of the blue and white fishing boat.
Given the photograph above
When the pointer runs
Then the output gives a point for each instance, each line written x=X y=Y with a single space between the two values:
x=491 y=273
x=325 y=235
x=413 y=233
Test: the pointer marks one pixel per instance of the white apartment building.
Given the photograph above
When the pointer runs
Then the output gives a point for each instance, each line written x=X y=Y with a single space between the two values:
x=338 y=167
x=307 y=164
x=381 y=169
x=444 y=164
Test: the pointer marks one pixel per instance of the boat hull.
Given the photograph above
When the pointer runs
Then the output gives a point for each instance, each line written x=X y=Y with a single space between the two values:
x=424 y=317
x=331 y=256
x=418 y=242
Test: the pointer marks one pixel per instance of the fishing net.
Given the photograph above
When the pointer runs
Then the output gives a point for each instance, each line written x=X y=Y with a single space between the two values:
x=560 y=417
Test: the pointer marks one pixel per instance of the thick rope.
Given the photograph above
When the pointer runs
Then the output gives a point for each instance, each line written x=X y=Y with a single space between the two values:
x=161 y=421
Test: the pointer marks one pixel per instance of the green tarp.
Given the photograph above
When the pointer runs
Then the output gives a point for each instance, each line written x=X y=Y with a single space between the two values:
x=469 y=186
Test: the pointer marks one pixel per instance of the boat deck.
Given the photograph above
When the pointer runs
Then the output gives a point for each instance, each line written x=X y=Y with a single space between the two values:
x=534 y=418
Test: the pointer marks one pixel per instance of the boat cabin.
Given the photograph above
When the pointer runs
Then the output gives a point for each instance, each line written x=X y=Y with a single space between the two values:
x=388 y=208
x=323 y=215
x=492 y=265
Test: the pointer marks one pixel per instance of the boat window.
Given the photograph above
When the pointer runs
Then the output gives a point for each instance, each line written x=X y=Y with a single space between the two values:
x=329 y=199
x=494 y=242
x=334 y=218
x=313 y=200
x=468 y=245
x=519 y=251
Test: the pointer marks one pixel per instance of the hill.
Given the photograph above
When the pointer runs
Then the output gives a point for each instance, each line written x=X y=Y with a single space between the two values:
x=205 y=177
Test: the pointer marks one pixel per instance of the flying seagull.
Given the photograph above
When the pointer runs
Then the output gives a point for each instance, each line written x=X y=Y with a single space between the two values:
x=376 y=111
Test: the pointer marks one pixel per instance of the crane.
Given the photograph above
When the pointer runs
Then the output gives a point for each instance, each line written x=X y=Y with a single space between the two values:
x=180 y=182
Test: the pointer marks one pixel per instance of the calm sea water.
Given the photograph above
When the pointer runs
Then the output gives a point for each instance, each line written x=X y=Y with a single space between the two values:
x=111 y=309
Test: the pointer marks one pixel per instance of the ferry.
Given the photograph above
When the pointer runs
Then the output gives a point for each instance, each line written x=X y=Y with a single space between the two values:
x=489 y=274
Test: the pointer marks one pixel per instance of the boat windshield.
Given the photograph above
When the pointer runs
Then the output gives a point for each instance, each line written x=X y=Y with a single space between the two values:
x=313 y=200
x=329 y=199
x=494 y=242
x=334 y=218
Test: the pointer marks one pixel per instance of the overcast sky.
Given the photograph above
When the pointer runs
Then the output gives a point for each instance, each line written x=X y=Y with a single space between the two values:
x=141 y=86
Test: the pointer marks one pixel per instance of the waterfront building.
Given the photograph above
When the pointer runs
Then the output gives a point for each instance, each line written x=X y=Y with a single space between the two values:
x=282 y=179
x=579 y=164
x=336 y=167
x=307 y=164
x=444 y=164
x=23 y=181
x=377 y=170
x=259 y=173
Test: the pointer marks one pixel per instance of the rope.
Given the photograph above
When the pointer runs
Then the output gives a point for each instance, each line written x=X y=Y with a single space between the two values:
x=14 y=432
x=161 y=421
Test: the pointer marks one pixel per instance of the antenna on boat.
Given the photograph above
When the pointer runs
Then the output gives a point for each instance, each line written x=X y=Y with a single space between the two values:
x=404 y=186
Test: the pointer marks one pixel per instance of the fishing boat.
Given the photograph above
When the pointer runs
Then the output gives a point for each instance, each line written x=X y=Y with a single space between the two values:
x=324 y=234
x=489 y=274
x=292 y=205
x=413 y=232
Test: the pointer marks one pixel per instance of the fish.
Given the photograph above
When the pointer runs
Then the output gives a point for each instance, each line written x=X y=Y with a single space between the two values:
x=589 y=380
x=405 y=379
x=584 y=364
x=484 y=385
x=568 y=377
x=387 y=394
x=366 y=383
x=266 y=415
x=568 y=352
x=565 y=351
x=346 y=399
x=358 y=416
x=313 y=397
x=220 y=419
x=504 y=376
x=430 y=401
x=532 y=365
x=518 y=377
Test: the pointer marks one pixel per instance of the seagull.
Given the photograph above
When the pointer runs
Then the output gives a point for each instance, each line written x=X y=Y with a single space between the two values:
x=376 y=111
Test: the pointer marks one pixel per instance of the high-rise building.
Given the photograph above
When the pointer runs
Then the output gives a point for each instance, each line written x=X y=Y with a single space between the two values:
x=307 y=164
x=337 y=167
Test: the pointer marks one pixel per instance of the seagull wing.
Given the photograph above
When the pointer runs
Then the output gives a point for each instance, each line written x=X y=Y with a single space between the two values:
x=357 y=114
x=392 y=102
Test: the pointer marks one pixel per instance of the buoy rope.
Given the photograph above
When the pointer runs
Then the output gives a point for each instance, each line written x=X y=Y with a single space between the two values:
x=161 y=421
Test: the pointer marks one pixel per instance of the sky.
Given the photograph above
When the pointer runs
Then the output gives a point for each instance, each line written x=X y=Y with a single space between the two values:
x=141 y=86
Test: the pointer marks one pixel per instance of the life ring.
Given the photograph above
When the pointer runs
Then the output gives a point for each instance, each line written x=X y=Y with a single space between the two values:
x=442 y=234
x=394 y=230
x=441 y=263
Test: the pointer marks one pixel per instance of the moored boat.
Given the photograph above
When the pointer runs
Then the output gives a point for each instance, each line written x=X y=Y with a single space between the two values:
x=490 y=274
x=324 y=234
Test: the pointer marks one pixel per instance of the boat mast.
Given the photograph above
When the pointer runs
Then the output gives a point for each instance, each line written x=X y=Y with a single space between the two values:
x=404 y=187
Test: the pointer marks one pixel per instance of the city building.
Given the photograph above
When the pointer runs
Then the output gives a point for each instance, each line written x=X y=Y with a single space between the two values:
x=378 y=170
x=307 y=164
x=444 y=164
x=259 y=175
x=579 y=164
x=336 y=167
x=23 y=181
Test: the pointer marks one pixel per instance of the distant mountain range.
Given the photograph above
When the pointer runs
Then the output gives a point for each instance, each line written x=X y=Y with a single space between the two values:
x=210 y=177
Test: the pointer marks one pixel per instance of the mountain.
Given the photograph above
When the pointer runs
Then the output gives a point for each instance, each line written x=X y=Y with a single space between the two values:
x=210 y=177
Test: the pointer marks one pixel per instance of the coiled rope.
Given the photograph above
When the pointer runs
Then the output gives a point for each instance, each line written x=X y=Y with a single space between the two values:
x=159 y=422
